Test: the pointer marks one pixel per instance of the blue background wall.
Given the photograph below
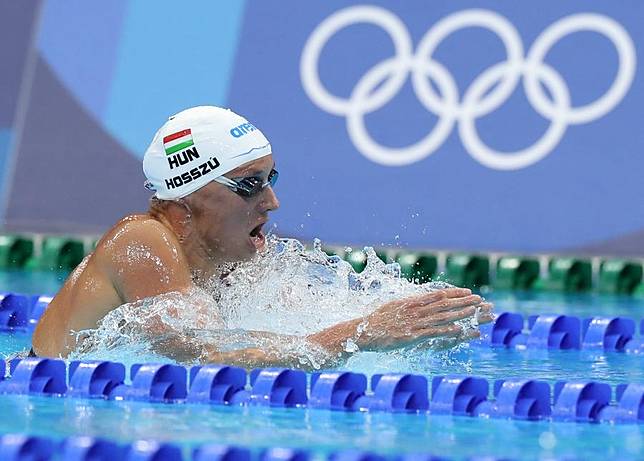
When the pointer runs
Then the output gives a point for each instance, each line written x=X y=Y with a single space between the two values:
x=85 y=86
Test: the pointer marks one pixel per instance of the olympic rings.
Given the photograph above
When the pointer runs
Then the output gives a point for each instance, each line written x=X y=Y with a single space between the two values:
x=486 y=93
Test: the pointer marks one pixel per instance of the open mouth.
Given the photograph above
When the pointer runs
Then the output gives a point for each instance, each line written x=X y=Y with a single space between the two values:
x=257 y=237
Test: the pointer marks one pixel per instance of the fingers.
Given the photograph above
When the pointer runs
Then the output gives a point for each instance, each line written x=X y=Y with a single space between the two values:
x=456 y=292
x=427 y=298
x=453 y=332
x=486 y=318
x=485 y=314
x=448 y=331
x=485 y=306
x=423 y=299
x=449 y=304
x=446 y=317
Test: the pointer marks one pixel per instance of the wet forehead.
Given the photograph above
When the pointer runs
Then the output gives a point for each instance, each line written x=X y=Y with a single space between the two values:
x=256 y=167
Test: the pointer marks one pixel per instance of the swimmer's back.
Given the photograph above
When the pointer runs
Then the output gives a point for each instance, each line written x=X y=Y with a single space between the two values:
x=137 y=258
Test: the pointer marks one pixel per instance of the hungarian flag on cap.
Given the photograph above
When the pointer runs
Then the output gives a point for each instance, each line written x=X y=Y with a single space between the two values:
x=177 y=141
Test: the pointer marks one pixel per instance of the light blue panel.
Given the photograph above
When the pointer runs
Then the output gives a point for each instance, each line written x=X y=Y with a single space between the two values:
x=80 y=41
x=172 y=56
x=5 y=145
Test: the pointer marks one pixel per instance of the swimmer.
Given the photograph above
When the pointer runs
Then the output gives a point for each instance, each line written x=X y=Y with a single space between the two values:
x=213 y=175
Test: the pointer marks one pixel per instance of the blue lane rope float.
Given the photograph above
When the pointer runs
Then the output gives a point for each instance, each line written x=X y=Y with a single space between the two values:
x=216 y=452
x=551 y=331
x=19 y=312
x=284 y=454
x=94 y=379
x=21 y=447
x=80 y=448
x=337 y=390
x=516 y=398
x=217 y=384
x=14 y=311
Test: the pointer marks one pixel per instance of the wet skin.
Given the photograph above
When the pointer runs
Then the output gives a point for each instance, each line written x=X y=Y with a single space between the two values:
x=175 y=247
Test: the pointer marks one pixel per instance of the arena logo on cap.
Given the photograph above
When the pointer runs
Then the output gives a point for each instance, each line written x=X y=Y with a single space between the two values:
x=242 y=129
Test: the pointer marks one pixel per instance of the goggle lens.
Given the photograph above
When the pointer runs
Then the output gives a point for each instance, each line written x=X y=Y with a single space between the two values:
x=253 y=185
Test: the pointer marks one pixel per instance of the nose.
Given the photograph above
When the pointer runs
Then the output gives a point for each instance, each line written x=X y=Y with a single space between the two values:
x=269 y=200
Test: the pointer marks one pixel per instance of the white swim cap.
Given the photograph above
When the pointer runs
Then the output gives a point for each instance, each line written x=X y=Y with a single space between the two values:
x=197 y=145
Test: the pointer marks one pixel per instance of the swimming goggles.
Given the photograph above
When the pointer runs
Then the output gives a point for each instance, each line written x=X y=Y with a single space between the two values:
x=250 y=185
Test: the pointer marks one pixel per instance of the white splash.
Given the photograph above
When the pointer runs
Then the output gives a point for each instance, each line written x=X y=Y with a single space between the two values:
x=285 y=290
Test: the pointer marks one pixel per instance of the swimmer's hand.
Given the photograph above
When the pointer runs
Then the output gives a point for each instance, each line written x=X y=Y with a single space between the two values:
x=410 y=320
x=432 y=315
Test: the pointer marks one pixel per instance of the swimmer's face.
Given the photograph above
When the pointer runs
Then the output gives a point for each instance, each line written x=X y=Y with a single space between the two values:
x=229 y=226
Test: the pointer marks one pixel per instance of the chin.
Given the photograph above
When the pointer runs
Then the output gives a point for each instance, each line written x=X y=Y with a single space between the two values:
x=244 y=254
x=247 y=256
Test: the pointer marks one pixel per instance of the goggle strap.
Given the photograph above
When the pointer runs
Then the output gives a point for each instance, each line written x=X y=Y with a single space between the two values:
x=226 y=181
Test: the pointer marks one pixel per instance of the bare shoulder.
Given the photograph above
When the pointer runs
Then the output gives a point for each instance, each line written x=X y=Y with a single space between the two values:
x=143 y=258
x=139 y=229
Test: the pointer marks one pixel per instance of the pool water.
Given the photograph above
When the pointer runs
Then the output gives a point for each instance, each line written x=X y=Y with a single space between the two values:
x=324 y=431
x=321 y=431
x=31 y=282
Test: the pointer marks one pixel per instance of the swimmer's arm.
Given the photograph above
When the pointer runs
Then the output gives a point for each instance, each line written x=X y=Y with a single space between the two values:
x=254 y=357
x=334 y=339
x=279 y=351
x=331 y=342
x=176 y=346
